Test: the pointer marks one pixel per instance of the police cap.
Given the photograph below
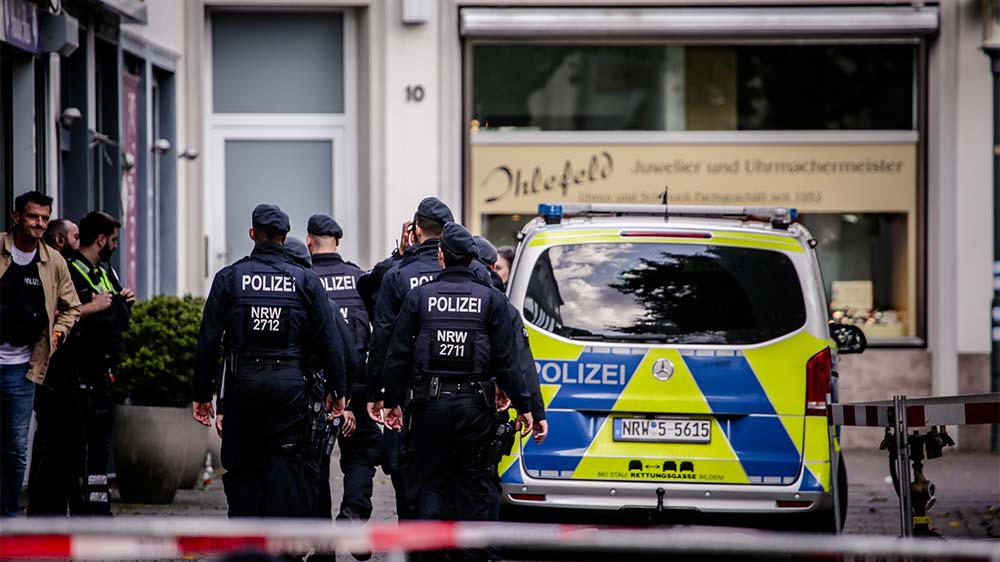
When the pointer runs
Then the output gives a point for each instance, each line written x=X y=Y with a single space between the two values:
x=487 y=252
x=323 y=225
x=434 y=209
x=270 y=216
x=297 y=251
x=458 y=240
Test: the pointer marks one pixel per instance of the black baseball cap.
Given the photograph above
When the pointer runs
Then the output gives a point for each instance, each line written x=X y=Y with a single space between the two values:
x=434 y=209
x=298 y=252
x=324 y=225
x=487 y=252
x=458 y=240
x=270 y=216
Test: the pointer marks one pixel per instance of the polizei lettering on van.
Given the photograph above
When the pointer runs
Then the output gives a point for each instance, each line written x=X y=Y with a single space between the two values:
x=552 y=372
x=455 y=304
x=269 y=283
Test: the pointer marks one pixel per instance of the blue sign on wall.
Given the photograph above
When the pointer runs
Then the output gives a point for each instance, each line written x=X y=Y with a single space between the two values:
x=20 y=24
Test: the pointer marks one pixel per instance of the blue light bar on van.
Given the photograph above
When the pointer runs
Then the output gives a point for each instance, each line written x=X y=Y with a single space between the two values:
x=551 y=213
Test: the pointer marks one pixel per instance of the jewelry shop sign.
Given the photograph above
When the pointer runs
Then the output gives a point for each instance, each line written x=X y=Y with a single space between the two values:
x=846 y=178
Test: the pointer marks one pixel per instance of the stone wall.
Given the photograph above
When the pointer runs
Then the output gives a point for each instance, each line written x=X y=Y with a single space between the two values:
x=878 y=374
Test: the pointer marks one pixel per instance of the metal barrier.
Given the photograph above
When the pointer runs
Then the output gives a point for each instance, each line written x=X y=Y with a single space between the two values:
x=158 y=538
x=898 y=416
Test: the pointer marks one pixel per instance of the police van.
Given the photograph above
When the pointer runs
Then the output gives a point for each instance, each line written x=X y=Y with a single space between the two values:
x=685 y=357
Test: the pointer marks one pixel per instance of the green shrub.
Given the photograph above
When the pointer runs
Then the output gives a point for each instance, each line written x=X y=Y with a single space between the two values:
x=157 y=362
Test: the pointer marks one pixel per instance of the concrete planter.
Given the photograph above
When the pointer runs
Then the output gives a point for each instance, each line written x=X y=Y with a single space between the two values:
x=194 y=457
x=152 y=447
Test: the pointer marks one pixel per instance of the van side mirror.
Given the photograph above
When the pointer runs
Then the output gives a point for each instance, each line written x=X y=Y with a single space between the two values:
x=850 y=339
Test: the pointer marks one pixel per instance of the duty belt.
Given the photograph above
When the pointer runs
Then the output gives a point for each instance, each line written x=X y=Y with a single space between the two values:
x=463 y=387
x=269 y=361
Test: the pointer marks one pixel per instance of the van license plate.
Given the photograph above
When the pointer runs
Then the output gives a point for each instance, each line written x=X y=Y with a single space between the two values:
x=663 y=430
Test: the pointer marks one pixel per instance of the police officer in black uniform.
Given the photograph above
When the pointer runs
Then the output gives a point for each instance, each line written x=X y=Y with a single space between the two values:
x=270 y=312
x=360 y=437
x=74 y=408
x=417 y=265
x=451 y=347
x=526 y=360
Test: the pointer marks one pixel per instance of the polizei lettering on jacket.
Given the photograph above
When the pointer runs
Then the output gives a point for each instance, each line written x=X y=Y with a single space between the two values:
x=420 y=280
x=338 y=282
x=552 y=372
x=268 y=283
x=455 y=304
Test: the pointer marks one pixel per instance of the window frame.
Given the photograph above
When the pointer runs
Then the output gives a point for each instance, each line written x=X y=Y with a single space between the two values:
x=918 y=135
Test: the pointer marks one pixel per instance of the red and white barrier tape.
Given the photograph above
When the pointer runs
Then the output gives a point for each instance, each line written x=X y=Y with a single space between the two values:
x=151 y=538
x=921 y=412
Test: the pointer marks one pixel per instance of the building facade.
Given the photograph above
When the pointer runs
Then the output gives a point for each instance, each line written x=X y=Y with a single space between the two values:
x=870 y=118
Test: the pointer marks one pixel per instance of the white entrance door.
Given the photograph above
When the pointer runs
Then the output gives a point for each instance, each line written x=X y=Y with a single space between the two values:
x=281 y=130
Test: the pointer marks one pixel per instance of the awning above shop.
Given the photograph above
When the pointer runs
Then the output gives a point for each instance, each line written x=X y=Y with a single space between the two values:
x=699 y=23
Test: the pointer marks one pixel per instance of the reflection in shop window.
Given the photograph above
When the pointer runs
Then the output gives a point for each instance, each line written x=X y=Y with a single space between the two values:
x=677 y=88
x=865 y=261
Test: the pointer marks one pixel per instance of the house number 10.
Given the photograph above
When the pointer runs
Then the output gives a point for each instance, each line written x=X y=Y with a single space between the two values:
x=415 y=93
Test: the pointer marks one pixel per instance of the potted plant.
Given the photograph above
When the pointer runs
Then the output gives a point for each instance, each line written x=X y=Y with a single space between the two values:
x=158 y=447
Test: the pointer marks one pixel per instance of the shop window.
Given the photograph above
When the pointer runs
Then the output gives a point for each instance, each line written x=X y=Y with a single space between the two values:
x=693 y=88
x=577 y=124
x=865 y=260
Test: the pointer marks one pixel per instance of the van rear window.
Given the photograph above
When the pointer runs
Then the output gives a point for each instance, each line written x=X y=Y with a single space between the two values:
x=669 y=293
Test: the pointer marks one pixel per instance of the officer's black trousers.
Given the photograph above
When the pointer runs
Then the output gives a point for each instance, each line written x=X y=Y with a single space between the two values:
x=360 y=453
x=70 y=452
x=446 y=474
x=268 y=473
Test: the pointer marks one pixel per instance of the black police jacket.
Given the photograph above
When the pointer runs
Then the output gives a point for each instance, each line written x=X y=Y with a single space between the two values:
x=321 y=333
x=369 y=283
x=525 y=359
x=353 y=362
x=503 y=363
x=418 y=265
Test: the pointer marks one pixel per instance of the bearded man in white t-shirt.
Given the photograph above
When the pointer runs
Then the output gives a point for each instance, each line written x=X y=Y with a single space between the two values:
x=38 y=307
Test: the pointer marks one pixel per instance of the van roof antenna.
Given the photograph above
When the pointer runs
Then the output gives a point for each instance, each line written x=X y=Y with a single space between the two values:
x=666 y=208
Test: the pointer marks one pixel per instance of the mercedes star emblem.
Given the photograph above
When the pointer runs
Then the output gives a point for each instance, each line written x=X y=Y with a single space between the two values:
x=663 y=369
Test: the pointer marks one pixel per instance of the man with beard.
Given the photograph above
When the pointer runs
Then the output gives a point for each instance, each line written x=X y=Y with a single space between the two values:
x=38 y=307
x=64 y=236
x=74 y=407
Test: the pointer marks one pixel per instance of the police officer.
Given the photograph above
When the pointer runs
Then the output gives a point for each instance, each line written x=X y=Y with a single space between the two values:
x=417 y=264
x=360 y=437
x=526 y=360
x=74 y=408
x=269 y=311
x=451 y=347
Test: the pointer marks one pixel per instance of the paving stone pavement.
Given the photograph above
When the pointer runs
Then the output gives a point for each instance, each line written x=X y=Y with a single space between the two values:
x=968 y=496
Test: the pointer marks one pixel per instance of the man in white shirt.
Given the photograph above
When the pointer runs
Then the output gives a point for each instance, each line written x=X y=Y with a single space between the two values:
x=38 y=307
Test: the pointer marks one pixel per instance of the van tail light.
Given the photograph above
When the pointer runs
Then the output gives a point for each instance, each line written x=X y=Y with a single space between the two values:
x=818 y=382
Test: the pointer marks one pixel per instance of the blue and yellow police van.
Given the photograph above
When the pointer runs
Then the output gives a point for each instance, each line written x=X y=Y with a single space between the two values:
x=685 y=357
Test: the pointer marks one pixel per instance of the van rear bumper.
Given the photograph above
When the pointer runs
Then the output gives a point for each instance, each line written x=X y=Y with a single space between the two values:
x=614 y=495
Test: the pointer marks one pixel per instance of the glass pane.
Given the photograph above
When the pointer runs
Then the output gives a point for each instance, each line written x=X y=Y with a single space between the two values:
x=658 y=87
x=502 y=230
x=675 y=293
x=265 y=62
x=866 y=268
x=294 y=175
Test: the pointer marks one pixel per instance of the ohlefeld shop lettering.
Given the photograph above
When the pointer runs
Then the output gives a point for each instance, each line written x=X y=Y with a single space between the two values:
x=503 y=180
